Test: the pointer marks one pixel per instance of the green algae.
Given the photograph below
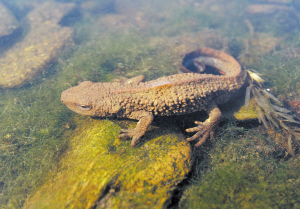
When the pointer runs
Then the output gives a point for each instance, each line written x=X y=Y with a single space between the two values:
x=30 y=138
x=246 y=113
x=97 y=161
x=244 y=170
x=117 y=55
x=281 y=71
x=180 y=18
x=32 y=120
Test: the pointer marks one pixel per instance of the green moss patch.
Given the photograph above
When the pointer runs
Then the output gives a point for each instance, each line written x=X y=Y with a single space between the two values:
x=244 y=172
x=99 y=167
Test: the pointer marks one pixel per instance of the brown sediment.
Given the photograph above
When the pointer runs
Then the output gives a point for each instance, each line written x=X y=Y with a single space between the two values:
x=294 y=106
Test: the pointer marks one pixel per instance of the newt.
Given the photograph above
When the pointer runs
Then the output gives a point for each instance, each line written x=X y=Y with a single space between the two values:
x=170 y=95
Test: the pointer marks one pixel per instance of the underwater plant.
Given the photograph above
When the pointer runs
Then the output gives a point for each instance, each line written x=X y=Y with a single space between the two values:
x=270 y=110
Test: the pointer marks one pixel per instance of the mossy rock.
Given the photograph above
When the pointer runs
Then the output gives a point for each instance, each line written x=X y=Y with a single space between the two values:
x=102 y=171
x=247 y=113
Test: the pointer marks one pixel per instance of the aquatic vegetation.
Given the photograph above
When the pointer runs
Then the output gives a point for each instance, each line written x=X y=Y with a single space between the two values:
x=281 y=70
x=271 y=115
x=32 y=119
x=243 y=169
x=99 y=170
x=30 y=138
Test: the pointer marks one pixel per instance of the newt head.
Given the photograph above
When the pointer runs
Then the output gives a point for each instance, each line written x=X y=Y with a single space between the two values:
x=87 y=98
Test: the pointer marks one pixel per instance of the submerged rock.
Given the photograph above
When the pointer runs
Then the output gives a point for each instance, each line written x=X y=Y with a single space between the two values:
x=266 y=9
x=275 y=1
x=246 y=113
x=100 y=171
x=263 y=43
x=8 y=22
x=20 y=64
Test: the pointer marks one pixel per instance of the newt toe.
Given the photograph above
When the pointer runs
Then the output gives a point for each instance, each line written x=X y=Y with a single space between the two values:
x=207 y=128
x=170 y=95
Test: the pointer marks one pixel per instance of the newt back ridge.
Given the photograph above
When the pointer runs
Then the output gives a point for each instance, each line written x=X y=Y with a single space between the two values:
x=171 y=95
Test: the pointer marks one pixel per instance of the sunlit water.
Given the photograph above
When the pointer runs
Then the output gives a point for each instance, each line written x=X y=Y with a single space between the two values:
x=110 y=40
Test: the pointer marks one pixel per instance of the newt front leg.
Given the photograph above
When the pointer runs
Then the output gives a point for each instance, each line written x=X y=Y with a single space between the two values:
x=207 y=128
x=145 y=118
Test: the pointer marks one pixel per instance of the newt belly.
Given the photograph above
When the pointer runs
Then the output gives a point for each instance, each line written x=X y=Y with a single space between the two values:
x=172 y=95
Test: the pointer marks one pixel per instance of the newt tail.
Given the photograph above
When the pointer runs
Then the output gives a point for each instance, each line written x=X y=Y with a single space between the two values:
x=178 y=94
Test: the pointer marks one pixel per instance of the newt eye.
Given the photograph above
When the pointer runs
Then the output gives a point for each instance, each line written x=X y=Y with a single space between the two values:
x=84 y=107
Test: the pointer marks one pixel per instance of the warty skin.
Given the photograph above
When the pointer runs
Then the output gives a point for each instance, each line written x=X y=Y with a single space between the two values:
x=172 y=95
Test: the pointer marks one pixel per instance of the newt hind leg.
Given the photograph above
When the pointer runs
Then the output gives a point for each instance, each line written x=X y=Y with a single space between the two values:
x=207 y=128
